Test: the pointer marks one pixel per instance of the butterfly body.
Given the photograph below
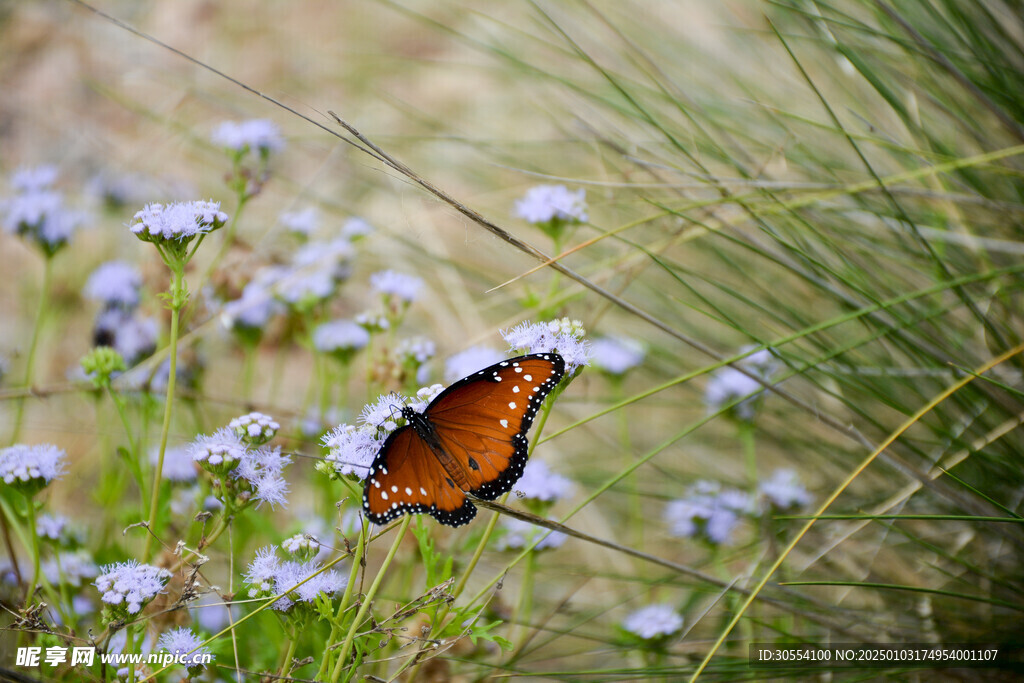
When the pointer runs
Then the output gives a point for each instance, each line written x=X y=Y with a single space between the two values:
x=470 y=439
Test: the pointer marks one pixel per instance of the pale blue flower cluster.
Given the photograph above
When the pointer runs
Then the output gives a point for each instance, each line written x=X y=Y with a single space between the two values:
x=255 y=428
x=267 y=576
x=37 y=211
x=708 y=511
x=178 y=221
x=617 y=355
x=69 y=568
x=540 y=483
x=181 y=641
x=783 y=490
x=302 y=221
x=31 y=467
x=517 y=534
x=544 y=203
x=562 y=336
x=129 y=586
x=258 y=135
x=395 y=285
x=115 y=284
x=340 y=336
x=728 y=384
x=653 y=621
x=179 y=467
x=225 y=454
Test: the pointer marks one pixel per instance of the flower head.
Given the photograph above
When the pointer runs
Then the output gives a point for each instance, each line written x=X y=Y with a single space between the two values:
x=263 y=470
x=179 y=221
x=415 y=351
x=399 y=286
x=129 y=586
x=729 y=384
x=784 y=491
x=540 y=483
x=302 y=222
x=179 y=465
x=51 y=526
x=219 y=452
x=182 y=641
x=259 y=135
x=115 y=284
x=341 y=338
x=267 y=575
x=355 y=228
x=707 y=511
x=653 y=622
x=382 y=413
x=562 y=336
x=132 y=335
x=518 y=534
x=37 y=212
x=31 y=468
x=69 y=568
x=545 y=203
x=616 y=355
x=34 y=179
x=351 y=450
x=372 y=322
x=255 y=429
x=424 y=396
x=253 y=310
x=465 y=363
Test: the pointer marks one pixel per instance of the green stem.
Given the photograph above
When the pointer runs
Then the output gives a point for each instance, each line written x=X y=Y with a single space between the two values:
x=129 y=648
x=286 y=665
x=30 y=361
x=346 y=647
x=749 y=453
x=177 y=303
x=34 y=540
x=524 y=609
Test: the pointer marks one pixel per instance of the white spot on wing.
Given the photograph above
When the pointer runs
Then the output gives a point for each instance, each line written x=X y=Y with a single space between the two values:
x=528 y=378
x=515 y=390
x=512 y=405
x=384 y=495
x=504 y=423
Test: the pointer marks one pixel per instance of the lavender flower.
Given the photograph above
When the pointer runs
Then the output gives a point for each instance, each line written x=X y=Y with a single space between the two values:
x=220 y=452
x=382 y=413
x=727 y=384
x=131 y=335
x=541 y=484
x=653 y=622
x=415 y=351
x=424 y=396
x=51 y=526
x=546 y=203
x=303 y=546
x=68 y=568
x=784 y=491
x=341 y=338
x=707 y=511
x=39 y=213
x=268 y=576
x=351 y=450
x=517 y=534
x=563 y=336
x=181 y=641
x=255 y=429
x=253 y=310
x=465 y=363
x=129 y=586
x=262 y=470
x=617 y=355
x=259 y=135
x=302 y=222
x=34 y=179
x=31 y=468
x=399 y=286
x=355 y=228
x=179 y=464
x=372 y=322
x=115 y=284
x=179 y=221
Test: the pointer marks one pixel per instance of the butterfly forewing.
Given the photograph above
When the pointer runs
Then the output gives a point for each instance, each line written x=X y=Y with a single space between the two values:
x=406 y=478
x=483 y=419
x=480 y=424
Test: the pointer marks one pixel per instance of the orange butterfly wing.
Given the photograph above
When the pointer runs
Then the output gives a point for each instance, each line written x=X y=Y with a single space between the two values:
x=406 y=478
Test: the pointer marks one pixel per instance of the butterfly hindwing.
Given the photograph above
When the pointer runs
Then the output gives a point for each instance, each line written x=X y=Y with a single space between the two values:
x=406 y=478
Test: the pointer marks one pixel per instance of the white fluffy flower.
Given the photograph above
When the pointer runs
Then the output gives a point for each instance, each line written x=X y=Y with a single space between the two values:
x=544 y=203
x=653 y=621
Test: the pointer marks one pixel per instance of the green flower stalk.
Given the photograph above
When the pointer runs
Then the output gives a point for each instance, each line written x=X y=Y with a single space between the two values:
x=176 y=230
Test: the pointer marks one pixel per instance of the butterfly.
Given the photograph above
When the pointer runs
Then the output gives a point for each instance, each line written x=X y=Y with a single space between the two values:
x=471 y=438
